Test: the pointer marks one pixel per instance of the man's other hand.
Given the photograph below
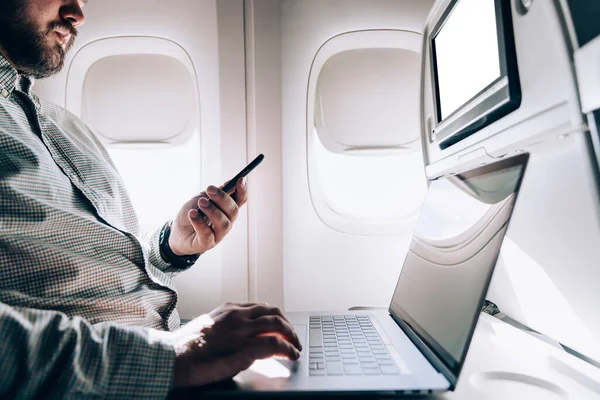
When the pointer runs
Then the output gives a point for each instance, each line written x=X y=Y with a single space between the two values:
x=193 y=232
x=228 y=340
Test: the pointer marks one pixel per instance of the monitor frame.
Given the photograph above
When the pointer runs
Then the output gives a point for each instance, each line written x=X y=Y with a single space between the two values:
x=499 y=98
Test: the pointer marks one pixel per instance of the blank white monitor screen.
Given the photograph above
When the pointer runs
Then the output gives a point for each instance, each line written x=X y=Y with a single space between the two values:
x=467 y=54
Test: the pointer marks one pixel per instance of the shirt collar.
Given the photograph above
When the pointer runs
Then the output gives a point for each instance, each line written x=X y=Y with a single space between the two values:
x=11 y=79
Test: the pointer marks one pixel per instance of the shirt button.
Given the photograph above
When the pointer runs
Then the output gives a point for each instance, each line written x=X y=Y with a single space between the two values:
x=4 y=92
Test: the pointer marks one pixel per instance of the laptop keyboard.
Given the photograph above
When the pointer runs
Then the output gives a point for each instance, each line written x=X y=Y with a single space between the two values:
x=347 y=345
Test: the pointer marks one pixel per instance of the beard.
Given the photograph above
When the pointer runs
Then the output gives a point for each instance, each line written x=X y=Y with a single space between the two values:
x=27 y=45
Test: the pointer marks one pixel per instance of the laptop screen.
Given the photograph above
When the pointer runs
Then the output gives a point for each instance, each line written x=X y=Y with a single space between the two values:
x=452 y=255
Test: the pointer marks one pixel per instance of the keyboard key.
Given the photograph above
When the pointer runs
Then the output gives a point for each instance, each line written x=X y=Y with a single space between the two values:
x=316 y=372
x=335 y=368
x=352 y=369
x=348 y=345
x=371 y=371
x=315 y=337
x=382 y=356
x=368 y=365
x=389 y=369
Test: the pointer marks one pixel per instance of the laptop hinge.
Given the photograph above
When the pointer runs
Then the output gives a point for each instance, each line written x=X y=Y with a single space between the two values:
x=427 y=352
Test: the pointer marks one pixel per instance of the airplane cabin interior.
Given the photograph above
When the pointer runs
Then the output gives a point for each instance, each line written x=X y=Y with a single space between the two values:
x=436 y=163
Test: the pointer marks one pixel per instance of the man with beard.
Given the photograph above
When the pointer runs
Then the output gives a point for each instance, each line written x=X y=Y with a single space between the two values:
x=87 y=309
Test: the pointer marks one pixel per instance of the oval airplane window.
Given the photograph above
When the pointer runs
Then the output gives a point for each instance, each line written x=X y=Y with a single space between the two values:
x=365 y=163
x=140 y=94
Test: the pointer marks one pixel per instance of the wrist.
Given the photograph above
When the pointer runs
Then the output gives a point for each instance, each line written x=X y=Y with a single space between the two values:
x=167 y=254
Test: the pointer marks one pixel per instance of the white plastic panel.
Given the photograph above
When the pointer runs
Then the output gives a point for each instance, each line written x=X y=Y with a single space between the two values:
x=369 y=97
x=140 y=98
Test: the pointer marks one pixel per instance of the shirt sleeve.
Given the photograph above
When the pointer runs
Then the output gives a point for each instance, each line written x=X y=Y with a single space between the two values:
x=155 y=258
x=46 y=354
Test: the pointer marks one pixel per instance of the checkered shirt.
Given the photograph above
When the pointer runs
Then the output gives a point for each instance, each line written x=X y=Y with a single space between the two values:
x=80 y=291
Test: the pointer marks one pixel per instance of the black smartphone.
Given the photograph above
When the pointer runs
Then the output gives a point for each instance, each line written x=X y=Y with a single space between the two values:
x=229 y=186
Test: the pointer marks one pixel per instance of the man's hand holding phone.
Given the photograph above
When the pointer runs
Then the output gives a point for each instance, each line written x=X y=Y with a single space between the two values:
x=205 y=220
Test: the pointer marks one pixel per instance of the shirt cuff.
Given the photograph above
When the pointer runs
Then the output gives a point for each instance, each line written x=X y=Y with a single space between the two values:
x=144 y=365
x=155 y=258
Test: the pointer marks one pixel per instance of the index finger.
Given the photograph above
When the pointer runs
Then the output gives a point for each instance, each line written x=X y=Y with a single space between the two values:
x=261 y=310
x=262 y=347
x=273 y=326
x=241 y=192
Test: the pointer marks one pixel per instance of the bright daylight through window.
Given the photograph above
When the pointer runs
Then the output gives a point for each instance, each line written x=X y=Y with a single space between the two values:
x=371 y=187
x=159 y=179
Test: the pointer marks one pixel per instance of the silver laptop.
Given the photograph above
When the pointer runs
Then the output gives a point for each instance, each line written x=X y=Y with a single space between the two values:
x=420 y=343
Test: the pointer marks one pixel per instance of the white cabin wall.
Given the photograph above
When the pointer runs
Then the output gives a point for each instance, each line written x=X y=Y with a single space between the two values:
x=324 y=268
x=263 y=73
x=234 y=144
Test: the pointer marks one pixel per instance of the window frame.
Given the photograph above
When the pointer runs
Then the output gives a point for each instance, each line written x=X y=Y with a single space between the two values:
x=327 y=212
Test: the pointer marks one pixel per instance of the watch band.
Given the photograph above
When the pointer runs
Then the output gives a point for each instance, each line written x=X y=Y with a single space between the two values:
x=167 y=254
